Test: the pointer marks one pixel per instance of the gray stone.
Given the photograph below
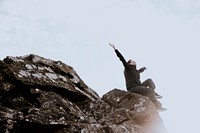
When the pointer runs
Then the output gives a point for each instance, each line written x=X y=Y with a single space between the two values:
x=42 y=95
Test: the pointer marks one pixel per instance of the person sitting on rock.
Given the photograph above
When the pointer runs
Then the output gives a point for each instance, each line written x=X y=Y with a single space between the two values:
x=149 y=83
x=133 y=83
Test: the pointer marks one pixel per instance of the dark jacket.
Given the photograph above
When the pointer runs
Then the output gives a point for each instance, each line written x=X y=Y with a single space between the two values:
x=132 y=75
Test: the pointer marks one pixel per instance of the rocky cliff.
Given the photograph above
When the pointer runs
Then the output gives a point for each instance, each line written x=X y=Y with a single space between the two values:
x=39 y=95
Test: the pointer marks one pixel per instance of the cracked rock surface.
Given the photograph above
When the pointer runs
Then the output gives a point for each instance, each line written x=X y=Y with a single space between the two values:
x=39 y=95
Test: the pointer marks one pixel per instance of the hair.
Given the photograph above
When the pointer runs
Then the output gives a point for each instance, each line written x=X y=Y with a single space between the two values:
x=131 y=61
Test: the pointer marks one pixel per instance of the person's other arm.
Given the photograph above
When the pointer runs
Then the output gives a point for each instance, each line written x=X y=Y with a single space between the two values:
x=142 y=69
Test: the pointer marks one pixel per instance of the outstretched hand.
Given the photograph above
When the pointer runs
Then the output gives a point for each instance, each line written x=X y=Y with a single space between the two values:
x=112 y=45
x=142 y=69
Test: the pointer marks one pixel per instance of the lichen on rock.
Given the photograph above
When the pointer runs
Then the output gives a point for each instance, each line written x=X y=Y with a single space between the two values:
x=43 y=95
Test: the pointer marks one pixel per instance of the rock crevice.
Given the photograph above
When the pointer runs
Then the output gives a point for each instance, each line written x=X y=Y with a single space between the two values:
x=42 y=95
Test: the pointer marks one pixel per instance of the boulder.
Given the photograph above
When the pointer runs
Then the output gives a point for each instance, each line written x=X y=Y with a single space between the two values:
x=39 y=95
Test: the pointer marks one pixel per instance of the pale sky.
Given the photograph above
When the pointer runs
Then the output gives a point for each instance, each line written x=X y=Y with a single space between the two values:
x=161 y=35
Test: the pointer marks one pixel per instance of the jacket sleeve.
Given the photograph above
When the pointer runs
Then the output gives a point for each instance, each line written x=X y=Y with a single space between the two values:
x=122 y=59
x=142 y=69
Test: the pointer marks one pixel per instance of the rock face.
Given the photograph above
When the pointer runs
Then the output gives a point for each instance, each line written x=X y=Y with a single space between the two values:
x=39 y=95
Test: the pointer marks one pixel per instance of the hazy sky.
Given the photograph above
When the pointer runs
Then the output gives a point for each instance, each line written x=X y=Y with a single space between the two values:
x=161 y=35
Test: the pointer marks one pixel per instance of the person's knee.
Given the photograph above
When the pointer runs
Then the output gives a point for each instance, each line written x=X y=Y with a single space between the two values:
x=150 y=83
x=149 y=80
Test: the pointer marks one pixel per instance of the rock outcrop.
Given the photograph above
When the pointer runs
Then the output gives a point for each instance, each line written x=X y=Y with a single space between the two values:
x=39 y=95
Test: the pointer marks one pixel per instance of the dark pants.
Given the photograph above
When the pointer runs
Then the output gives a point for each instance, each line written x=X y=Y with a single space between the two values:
x=149 y=83
x=148 y=92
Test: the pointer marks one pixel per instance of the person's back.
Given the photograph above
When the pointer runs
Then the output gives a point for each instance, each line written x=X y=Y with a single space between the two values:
x=132 y=77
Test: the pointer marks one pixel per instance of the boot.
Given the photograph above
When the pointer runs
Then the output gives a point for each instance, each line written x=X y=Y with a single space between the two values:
x=161 y=109
x=158 y=96
x=159 y=106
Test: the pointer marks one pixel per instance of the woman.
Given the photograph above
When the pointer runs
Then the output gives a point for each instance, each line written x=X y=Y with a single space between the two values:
x=133 y=83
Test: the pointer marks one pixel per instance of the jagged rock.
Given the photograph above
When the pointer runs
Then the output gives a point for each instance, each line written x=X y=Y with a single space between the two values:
x=42 y=95
x=134 y=111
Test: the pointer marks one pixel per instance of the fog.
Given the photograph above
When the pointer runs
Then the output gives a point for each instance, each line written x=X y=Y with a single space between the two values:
x=160 y=35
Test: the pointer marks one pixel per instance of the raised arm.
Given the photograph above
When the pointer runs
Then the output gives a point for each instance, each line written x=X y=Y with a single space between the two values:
x=122 y=59
x=142 y=69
